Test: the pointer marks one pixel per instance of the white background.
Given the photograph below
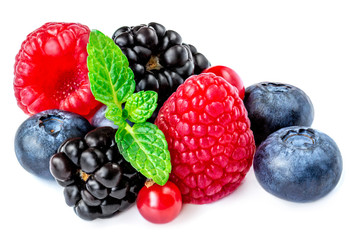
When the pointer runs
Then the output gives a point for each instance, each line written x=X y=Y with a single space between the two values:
x=303 y=43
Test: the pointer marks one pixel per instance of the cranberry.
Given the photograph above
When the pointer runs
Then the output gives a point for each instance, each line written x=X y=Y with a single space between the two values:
x=159 y=204
x=230 y=76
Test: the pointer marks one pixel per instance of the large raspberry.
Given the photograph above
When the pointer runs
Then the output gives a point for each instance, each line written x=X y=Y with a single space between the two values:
x=208 y=133
x=51 y=70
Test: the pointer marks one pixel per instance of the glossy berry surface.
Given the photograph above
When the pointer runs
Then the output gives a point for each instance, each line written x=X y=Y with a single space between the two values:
x=160 y=204
x=51 y=70
x=39 y=137
x=97 y=180
x=298 y=164
x=230 y=76
x=209 y=138
x=272 y=106
x=159 y=59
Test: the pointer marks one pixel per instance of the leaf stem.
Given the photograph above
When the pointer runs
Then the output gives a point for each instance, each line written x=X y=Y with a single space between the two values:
x=128 y=128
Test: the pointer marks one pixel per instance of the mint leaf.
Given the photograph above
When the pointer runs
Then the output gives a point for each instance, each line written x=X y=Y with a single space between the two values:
x=141 y=105
x=112 y=81
x=114 y=114
x=145 y=147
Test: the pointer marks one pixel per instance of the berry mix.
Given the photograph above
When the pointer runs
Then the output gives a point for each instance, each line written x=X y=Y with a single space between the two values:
x=143 y=118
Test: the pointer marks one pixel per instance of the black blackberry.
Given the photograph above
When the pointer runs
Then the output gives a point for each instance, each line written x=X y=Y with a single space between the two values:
x=158 y=58
x=97 y=180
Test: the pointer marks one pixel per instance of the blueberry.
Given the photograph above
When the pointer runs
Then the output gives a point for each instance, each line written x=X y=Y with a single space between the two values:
x=40 y=136
x=99 y=119
x=298 y=164
x=272 y=106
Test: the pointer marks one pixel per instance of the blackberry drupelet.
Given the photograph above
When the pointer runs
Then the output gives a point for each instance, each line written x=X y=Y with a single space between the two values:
x=97 y=180
x=158 y=58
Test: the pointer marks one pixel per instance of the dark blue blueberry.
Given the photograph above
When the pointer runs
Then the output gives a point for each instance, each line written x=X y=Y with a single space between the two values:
x=272 y=106
x=298 y=164
x=40 y=136
x=99 y=119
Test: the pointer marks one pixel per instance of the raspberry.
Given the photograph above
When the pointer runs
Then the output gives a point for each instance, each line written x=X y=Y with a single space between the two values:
x=208 y=133
x=51 y=70
x=158 y=58
x=98 y=182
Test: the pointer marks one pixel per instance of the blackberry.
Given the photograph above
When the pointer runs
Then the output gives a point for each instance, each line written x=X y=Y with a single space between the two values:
x=158 y=58
x=97 y=180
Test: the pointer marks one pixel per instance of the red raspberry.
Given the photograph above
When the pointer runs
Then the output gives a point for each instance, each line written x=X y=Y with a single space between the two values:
x=51 y=70
x=208 y=133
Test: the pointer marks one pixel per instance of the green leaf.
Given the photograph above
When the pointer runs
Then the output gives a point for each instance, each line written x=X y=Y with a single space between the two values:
x=114 y=114
x=112 y=83
x=145 y=147
x=141 y=105
x=111 y=80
